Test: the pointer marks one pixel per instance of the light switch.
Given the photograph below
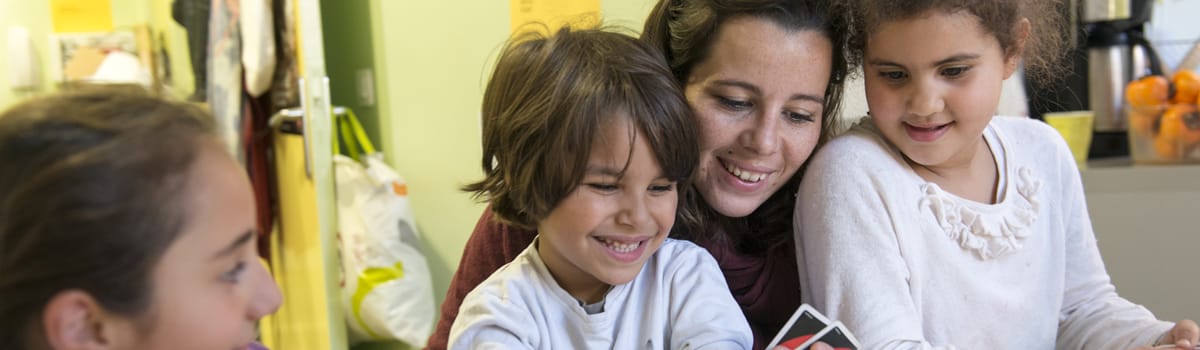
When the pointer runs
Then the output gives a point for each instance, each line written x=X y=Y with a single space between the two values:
x=22 y=62
x=366 y=87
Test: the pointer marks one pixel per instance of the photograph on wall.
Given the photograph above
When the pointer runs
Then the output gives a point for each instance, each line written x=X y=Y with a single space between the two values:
x=106 y=57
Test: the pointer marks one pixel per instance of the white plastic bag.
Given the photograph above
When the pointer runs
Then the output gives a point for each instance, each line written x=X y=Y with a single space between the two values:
x=387 y=291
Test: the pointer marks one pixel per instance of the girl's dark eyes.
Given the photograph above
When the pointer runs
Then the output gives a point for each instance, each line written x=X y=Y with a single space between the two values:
x=951 y=72
x=234 y=274
x=955 y=71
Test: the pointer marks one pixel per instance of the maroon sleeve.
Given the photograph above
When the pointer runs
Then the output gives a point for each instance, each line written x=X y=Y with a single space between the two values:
x=490 y=246
x=766 y=286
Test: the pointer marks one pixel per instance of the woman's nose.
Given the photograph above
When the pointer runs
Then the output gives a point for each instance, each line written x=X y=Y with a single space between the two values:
x=763 y=135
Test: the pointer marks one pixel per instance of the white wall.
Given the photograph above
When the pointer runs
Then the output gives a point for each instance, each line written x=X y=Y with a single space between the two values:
x=1173 y=29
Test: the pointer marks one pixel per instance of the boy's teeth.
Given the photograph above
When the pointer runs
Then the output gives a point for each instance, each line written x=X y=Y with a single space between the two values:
x=744 y=174
x=621 y=247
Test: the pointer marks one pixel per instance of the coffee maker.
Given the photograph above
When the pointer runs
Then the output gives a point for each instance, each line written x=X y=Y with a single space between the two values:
x=1110 y=51
x=1117 y=53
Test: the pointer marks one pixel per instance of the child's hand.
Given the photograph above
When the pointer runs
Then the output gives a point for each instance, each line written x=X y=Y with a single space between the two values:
x=1184 y=336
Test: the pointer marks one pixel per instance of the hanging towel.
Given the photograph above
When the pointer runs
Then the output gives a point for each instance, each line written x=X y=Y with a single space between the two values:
x=258 y=51
x=225 y=76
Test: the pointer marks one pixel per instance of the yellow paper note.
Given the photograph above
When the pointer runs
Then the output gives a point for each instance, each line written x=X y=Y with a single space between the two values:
x=80 y=16
x=554 y=13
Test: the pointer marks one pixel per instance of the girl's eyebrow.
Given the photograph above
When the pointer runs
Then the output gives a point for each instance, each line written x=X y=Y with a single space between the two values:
x=237 y=243
x=955 y=58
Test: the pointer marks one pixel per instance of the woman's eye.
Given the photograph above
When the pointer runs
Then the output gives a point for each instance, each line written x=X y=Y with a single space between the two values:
x=234 y=274
x=736 y=105
x=798 y=117
x=954 y=71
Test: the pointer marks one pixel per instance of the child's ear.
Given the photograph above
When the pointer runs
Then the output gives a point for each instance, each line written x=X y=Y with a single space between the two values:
x=74 y=320
x=1012 y=58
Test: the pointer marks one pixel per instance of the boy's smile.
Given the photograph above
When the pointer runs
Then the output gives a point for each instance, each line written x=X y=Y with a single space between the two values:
x=602 y=232
x=625 y=249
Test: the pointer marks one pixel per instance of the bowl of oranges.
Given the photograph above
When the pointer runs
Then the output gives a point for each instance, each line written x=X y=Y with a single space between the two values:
x=1164 y=118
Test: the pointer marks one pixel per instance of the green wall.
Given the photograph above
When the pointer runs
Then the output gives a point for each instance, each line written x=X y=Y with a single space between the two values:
x=626 y=13
x=436 y=59
x=350 y=51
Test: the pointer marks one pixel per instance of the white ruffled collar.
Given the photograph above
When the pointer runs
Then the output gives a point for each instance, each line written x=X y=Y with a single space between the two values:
x=990 y=231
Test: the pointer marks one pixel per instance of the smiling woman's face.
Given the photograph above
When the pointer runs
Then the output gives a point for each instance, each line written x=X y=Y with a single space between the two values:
x=758 y=99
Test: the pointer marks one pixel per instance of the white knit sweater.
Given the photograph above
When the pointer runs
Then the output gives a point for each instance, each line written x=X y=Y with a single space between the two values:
x=906 y=265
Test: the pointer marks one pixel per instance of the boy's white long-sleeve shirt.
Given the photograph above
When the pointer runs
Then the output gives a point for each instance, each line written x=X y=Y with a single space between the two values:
x=678 y=301
x=907 y=265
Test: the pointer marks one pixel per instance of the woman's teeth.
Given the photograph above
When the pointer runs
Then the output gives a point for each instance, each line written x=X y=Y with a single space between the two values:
x=745 y=175
x=621 y=247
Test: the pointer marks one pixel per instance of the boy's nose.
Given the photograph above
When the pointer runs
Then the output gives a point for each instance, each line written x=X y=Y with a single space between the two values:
x=633 y=213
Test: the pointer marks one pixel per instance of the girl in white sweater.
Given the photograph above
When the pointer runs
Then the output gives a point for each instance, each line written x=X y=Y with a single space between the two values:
x=936 y=225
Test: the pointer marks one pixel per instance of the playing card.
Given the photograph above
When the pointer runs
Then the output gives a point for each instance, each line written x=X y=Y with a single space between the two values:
x=805 y=323
x=836 y=336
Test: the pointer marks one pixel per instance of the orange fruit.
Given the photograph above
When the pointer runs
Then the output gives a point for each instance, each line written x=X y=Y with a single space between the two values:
x=1143 y=119
x=1187 y=86
x=1191 y=123
x=1169 y=141
x=1150 y=90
